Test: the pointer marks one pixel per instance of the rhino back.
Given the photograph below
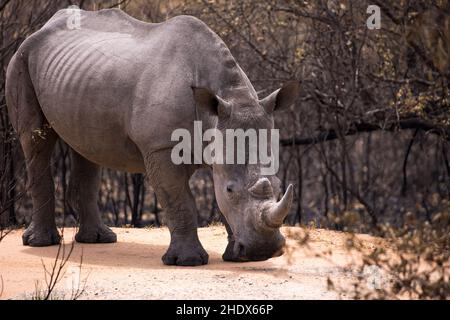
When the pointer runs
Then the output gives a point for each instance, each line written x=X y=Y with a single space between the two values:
x=118 y=85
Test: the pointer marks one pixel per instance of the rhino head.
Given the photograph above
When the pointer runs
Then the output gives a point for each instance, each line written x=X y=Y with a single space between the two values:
x=247 y=199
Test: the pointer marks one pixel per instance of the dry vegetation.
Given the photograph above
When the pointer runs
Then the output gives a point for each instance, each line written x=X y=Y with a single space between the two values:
x=366 y=145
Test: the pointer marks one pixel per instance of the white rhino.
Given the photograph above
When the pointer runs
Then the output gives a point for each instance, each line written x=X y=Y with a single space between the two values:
x=114 y=90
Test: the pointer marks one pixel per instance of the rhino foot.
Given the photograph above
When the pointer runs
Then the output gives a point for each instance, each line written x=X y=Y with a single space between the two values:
x=98 y=234
x=41 y=237
x=187 y=256
x=228 y=254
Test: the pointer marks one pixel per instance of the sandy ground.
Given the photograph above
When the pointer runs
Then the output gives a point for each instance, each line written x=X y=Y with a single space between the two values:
x=132 y=268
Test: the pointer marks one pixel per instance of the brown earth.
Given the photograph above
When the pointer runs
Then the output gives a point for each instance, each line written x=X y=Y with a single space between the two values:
x=132 y=268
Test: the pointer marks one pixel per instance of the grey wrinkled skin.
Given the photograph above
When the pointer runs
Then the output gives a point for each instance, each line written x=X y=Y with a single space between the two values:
x=114 y=91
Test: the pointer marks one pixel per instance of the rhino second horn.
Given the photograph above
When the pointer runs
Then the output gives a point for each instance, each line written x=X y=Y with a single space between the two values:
x=275 y=214
x=262 y=188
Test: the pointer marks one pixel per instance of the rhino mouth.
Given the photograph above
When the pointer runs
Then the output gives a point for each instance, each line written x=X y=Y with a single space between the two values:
x=238 y=252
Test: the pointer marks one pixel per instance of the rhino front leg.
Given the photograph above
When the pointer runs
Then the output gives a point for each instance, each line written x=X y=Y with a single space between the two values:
x=82 y=196
x=171 y=184
x=228 y=254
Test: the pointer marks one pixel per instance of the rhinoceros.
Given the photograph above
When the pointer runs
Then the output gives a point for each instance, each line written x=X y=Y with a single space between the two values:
x=114 y=89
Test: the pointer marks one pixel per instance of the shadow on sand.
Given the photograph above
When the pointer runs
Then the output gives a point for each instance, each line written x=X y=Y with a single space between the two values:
x=146 y=256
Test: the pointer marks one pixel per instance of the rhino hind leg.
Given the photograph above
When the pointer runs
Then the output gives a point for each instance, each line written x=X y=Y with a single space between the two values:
x=82 y=197
x=171 y=184
x=38 y=147
x=42 y=231
x=37 y=139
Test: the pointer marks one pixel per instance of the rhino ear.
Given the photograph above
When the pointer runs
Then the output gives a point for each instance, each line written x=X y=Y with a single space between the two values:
x=209 y=102
x=282 y=99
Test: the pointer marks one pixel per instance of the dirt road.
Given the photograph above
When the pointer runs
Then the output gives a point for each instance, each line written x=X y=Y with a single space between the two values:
x=132 y=268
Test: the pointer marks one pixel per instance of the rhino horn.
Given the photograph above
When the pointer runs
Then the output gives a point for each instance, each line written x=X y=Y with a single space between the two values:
x=276 y=212
x=262 y=188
